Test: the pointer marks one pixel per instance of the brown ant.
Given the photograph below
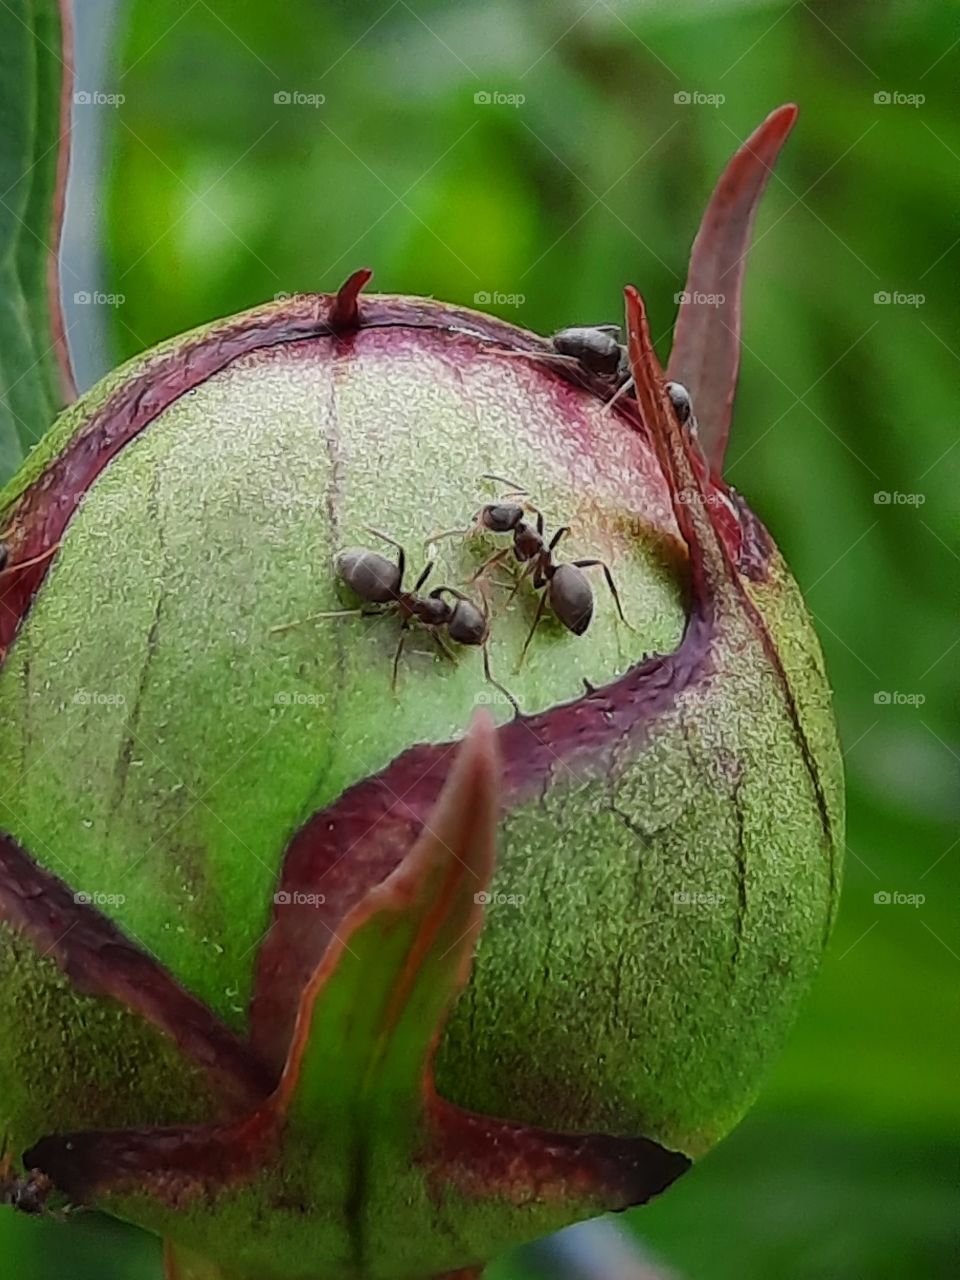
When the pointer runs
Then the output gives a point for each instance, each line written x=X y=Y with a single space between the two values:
x=565 y=586
x=379 y=582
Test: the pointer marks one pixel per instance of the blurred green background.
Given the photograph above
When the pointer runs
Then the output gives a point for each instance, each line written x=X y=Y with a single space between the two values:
x=219 y=195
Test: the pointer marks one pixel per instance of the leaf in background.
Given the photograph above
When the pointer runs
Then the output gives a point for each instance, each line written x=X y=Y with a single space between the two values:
x=35 y=87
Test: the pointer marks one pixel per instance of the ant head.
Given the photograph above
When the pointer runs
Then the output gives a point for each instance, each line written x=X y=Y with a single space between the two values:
x=501 y=517
x=680 y=399
x=467 y=625
x=370 y=575
x=571 y=597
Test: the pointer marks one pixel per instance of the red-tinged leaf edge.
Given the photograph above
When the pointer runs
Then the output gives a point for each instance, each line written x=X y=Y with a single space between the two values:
x=705 y=356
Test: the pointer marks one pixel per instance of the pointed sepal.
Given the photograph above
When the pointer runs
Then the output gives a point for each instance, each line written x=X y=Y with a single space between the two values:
x=706 y=343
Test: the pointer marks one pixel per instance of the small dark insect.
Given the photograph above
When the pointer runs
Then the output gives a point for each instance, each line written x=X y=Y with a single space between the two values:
x=565 y=586
x=379 y=583
x=596 y=347
x=502 y=516
x=680 y=399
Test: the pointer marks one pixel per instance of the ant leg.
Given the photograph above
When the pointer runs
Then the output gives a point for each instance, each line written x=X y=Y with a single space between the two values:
x=332 y=613
x=514 y=490
x=423 y=577
x=536 y=622
x=25 y=564
x=402 y=556
x=496 y=683
x=586 y=564
x=528 y=568
x=622 y=390
x=497 y=558
x=561 y=533
x=552 y=357
x=449 y=533
x=444 y=650
x=396 y=657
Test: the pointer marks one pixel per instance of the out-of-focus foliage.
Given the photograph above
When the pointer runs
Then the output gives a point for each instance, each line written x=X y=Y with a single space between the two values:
x=30 y=94
x=222 y=195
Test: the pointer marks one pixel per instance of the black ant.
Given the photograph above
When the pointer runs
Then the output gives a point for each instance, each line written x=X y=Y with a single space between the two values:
x=682 y=404
x=564 y=586
x=379 y=582
x=597 y=347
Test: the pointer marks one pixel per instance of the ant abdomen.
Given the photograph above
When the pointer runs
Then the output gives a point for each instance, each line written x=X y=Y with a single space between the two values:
x=595 y=346
x=467 y=625
x=571 y=597
x=370 y=575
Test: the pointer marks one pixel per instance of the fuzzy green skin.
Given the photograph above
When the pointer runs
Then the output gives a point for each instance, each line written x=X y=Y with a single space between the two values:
x=600 y=1003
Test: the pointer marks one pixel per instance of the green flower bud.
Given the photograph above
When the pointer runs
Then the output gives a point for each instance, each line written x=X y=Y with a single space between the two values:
x=246 y=999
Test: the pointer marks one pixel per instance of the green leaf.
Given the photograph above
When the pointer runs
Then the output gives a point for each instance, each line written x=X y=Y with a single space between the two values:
x=33 y=76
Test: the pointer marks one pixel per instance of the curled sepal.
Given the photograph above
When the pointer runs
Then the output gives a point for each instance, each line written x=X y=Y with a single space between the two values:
x=705 y=355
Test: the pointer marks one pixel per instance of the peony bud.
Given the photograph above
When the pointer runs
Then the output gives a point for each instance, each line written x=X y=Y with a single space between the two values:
x=247 y=1002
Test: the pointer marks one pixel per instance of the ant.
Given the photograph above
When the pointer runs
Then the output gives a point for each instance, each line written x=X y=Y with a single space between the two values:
x=379 y=582
x=565 y=586
x=596 y=347
x=682 y=404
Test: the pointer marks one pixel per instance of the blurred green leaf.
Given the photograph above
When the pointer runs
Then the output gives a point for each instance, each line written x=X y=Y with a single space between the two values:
x=31 y=75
